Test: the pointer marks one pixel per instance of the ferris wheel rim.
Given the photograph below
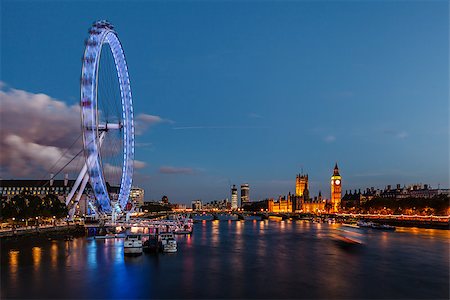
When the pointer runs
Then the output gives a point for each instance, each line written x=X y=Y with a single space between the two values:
x=102 y=33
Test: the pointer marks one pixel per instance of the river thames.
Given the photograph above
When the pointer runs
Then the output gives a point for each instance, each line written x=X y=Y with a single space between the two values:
x=236 y=259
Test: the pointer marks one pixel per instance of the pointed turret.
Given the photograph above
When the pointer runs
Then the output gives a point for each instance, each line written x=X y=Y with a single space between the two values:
x=336 y=170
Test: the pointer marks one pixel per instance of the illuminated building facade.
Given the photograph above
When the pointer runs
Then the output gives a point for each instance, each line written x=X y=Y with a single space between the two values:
x=245 y=194
x=300 y=201
x=283 y=205
x=137 y=196
x=234 y=197
x=196 y=205
x=218 y=205
x=301 y=184
x=336 y=189
x=315 y=205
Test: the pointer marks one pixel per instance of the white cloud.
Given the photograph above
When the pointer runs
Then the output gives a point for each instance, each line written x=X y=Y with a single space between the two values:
x=22 y=157
x=139 y=164
x=175 y=170
x=144 y=121
x=398 y=134
x=330 y=138
x=35 y=132
x=402 y=135
x=255 y=115
x=40 y=134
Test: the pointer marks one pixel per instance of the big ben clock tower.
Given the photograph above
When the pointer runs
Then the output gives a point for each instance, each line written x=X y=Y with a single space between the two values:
x=336 y=184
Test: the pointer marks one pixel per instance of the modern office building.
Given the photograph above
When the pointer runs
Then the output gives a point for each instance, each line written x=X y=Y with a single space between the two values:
x=245 y=194
x=137 y=197
x=197 y=205
x=234 y=197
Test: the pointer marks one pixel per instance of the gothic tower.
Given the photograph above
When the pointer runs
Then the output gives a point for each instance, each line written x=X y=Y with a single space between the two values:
x=336 y=189
x=301 y=184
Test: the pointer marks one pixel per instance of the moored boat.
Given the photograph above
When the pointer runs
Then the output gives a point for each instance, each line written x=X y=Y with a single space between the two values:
x=383 y=227
x=132 y=245
x=374 y=225
x=167 y=242
x=362 y=223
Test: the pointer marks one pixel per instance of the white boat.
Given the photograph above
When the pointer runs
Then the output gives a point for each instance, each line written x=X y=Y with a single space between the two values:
x=375 y=225
x=109 y=236
x=132 y=245
x=349 y=235
x=168 y=242
x=383 y=227
x=365 y=224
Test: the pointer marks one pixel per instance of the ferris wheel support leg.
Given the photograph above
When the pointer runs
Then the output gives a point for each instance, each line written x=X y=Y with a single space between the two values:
x=79 y=194
x=76 y=184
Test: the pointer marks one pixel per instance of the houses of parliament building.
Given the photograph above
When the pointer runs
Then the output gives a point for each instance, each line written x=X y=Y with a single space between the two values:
x=302 y=202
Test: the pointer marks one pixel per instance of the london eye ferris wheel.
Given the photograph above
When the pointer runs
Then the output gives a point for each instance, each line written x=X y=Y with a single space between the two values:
x=107 y=119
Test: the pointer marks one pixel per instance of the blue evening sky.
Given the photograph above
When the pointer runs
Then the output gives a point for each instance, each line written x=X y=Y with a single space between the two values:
x=257 y=90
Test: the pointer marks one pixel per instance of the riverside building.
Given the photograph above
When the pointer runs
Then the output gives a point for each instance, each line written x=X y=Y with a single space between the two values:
x=234 y=197
x=245 y=194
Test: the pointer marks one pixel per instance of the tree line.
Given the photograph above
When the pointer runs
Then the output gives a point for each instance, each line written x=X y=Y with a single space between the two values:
x=25 y=206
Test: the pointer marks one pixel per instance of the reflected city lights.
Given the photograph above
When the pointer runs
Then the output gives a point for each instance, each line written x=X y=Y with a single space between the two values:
x=91 y=249
x=13 y=265
x=215 y=233
x=239 y=227
x=262 y=225
x=189 y=240
x=37 y=255
x=54 y=255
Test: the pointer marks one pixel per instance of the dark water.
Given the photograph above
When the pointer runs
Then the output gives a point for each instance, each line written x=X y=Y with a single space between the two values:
x=229 y=259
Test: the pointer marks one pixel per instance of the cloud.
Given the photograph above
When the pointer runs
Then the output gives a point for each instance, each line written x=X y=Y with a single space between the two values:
x=36 y=132
x=330 y=138
x=398 y=134
x=40 y=135
x=219 y=127
x=175 y=170
x=255 y=116
x=139 y=164
x=20 y=157
x=144 y=121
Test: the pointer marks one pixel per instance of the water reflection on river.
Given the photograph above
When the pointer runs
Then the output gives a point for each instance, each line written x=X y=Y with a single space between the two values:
x=235 y=259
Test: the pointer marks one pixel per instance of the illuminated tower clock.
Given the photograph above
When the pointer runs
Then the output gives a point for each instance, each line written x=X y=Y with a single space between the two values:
x=336 y=183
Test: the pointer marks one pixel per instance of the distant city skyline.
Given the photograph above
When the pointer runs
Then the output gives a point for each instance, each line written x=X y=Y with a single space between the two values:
x=239 y=92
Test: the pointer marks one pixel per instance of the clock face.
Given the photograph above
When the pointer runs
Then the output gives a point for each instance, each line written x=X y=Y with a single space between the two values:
x=338 y=182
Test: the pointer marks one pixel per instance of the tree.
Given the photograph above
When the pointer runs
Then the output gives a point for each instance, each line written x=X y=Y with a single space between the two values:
x=57 y=208
x=7 y=211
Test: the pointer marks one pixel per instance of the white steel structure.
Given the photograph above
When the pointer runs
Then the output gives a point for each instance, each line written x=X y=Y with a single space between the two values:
x=106 y=121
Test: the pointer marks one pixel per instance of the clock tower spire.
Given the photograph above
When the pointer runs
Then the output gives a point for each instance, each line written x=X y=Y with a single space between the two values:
x=336 y=184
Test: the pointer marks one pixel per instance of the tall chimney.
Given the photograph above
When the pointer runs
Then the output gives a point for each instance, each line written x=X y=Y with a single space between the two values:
x=66 y=179
x=51 y=179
